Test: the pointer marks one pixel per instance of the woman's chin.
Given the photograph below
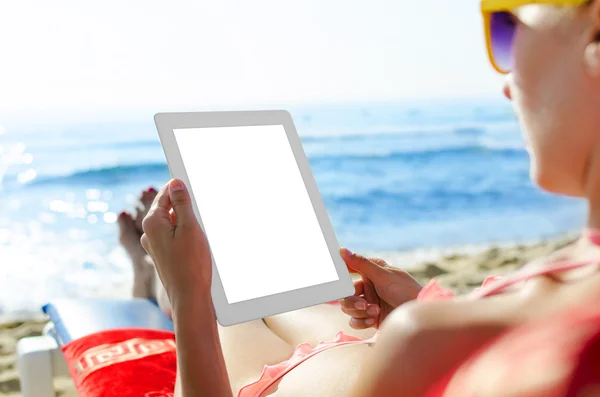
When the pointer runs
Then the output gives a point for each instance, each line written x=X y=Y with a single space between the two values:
x=551 y=183
x=533 y=176
x=537 y=178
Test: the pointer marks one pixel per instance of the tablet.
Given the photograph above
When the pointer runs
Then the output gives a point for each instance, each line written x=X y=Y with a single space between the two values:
x=272 y=244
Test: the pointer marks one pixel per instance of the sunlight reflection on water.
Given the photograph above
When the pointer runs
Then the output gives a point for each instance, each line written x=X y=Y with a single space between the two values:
x=27 y=176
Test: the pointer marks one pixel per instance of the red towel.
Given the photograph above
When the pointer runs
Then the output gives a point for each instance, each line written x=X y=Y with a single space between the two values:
x=123 y=363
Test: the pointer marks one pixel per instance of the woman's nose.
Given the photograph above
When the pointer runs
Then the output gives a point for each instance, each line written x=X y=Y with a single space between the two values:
x=506 y=89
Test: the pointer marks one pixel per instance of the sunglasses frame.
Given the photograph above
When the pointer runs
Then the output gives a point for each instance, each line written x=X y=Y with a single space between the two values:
x=488 y=7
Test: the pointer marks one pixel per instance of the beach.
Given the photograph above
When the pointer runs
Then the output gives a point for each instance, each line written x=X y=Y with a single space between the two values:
x=395 y=179
x=459 y=271
x=10 y=333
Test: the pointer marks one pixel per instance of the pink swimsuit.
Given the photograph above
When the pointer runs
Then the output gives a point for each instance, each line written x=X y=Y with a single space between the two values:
x=551 y=332
x=273 y=373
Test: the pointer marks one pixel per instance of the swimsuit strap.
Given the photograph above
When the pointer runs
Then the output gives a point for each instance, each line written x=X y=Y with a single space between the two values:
x=593 y=235
x=560 y=266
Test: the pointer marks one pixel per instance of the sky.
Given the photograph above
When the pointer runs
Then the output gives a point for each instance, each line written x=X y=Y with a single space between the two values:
x=64 y=55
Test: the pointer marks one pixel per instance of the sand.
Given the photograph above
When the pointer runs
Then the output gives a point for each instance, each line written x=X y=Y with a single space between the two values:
x=10 y=333
x=460 y=272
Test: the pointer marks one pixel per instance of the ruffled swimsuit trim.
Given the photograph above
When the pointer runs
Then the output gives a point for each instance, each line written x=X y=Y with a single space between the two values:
x=273 y=373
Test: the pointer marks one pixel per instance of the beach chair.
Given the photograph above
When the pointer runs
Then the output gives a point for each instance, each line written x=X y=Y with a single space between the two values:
x=40 y=358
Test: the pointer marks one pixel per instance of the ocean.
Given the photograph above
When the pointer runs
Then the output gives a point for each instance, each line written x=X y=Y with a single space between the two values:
x=393 y=176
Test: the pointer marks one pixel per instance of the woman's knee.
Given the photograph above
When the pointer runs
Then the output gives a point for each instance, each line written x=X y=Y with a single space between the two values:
x=410 y=336
x=411 y=321
x=434 y=337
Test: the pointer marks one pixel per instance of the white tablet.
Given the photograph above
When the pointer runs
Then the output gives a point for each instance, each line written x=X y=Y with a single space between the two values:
x=273 y=247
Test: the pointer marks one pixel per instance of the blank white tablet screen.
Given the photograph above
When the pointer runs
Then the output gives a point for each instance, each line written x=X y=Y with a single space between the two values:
x=262 y=229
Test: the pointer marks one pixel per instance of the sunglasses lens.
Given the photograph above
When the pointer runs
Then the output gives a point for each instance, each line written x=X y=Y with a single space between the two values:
x=502 y=32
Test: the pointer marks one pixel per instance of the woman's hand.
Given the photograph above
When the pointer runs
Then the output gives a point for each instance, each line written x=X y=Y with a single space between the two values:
x=177 y=244
x=381 y=289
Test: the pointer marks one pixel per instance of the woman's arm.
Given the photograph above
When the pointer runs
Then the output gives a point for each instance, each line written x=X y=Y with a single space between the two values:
x=179 y=248
x=200 y=364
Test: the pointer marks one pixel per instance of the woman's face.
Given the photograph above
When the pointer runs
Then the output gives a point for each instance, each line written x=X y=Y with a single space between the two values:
x=555 y=90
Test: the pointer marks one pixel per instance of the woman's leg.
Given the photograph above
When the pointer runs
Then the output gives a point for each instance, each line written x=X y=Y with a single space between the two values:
x=130 y=231
x=247 y=348
x=143 y=269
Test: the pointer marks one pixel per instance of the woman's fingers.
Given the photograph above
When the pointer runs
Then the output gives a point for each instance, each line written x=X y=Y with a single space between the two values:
x=162 y=199
x=364 y=266
x=359 y=323
x=354 y=302
x=158 y=215
x=145 y=243
x=171 y=206
x=359 y=287
x=363 y=314
x=369 y=290
x=359 y=308
x=358 y=291
x=357 y=313
x=371 y=312
x=181 y=202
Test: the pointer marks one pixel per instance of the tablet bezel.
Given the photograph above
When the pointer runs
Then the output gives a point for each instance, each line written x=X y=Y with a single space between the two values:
x=230 y=314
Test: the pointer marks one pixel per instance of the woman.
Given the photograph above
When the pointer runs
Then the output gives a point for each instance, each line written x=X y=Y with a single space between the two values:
x=551 y=53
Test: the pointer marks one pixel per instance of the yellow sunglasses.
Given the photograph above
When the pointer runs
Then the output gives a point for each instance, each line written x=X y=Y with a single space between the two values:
x=500 y=27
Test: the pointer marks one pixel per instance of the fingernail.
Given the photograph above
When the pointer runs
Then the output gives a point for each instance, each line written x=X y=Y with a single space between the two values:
x=346 y=252
x=372 y=311
x=369 y=321
x=360 y=305
x=176 y=185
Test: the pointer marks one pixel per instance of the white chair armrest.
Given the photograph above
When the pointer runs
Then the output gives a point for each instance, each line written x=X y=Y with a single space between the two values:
x=39 y=360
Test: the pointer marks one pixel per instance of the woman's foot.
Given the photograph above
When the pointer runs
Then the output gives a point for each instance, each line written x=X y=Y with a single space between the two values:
x=129 y=237
x=158 y=292
x=143 y=268
x=143 y=207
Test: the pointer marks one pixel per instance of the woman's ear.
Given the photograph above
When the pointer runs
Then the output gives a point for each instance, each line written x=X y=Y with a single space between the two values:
x=592 y=58
x=592 y=51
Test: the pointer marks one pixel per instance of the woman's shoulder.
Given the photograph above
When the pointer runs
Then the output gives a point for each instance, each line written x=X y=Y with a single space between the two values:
x=551 y=357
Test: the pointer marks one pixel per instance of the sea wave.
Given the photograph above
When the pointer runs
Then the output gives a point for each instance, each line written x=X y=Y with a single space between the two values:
x=400 y=130
x=105 y=175
x=126 y=172
x=426 y=133
x=471 y=131
x=415 y=205
x=492 y=148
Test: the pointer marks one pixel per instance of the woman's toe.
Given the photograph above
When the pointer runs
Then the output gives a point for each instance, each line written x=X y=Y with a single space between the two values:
x=143 y=207
x=148 y=197
x=124 y=220
x=128 y=235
